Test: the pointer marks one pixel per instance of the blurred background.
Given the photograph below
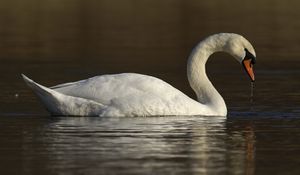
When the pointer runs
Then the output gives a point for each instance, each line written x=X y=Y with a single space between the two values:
x=56 y=41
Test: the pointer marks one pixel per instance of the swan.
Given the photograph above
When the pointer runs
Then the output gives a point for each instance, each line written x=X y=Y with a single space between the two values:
x=131 y=94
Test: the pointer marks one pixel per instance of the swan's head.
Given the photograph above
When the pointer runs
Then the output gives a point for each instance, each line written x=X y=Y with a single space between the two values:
x=242 y=51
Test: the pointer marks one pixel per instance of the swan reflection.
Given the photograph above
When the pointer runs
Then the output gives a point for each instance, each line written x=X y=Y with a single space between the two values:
x=198 y=145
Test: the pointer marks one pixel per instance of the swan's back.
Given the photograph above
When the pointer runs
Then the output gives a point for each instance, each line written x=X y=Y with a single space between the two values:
x=105 y=88
x=131 y=94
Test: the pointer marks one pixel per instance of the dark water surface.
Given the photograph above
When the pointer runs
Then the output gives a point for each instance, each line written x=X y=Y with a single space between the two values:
x=262 y=137
x=174 y=145
x=59 y=41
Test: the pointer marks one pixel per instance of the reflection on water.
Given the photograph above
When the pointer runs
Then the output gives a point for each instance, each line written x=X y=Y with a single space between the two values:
x=128 y=145
x=60 y=41
x=156 y=145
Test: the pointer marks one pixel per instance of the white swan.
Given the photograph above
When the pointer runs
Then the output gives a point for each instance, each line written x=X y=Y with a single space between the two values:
x=131 y=94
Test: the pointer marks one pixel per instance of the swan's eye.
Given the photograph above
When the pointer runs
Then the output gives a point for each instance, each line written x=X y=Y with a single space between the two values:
x=249 y=56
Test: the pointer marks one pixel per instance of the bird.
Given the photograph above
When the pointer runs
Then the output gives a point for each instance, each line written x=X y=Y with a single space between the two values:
x=138 y=95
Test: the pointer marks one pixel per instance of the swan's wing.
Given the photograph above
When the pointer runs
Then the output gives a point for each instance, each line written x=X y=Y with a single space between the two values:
x=116 y=95
x=134 y=90
x=61 y=104
x=66 y=84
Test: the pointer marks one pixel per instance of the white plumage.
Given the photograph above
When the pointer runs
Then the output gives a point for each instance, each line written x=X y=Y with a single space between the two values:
x=131 y=94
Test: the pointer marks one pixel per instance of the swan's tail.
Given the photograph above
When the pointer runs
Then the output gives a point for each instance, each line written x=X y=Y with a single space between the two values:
x=60 y=104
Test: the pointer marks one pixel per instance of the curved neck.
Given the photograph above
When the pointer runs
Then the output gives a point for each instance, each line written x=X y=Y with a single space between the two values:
x=205 y=91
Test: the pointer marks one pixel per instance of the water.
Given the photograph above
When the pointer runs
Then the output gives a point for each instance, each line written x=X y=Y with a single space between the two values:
x=58 y=41
x=261 y=137
x=252 y=93
x=177 y=145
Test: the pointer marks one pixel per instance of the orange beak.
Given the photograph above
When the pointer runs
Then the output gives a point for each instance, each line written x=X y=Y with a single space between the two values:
x=249 y=68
